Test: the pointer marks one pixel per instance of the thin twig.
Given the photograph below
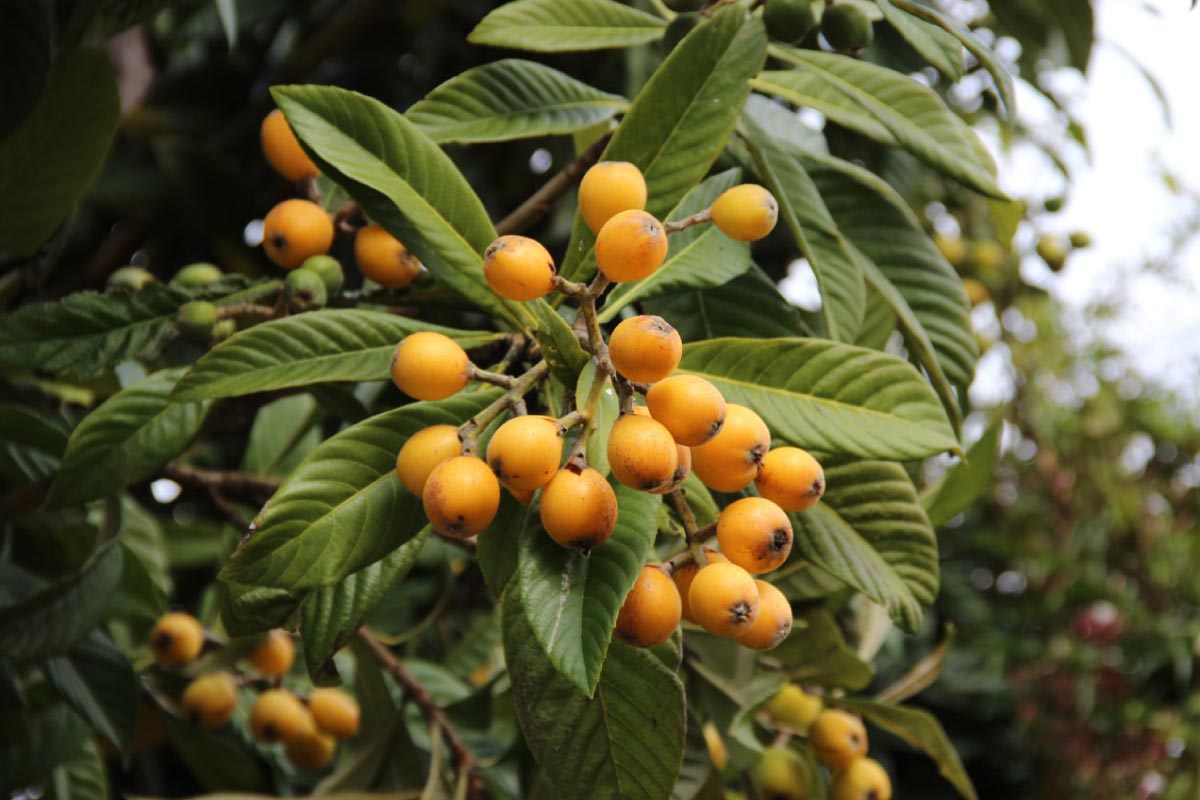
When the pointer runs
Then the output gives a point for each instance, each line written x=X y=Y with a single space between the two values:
x=699 y=218
x=223 y=480
x=227 y=508
x=469 y=431
x=463 y=760
x=541 y=201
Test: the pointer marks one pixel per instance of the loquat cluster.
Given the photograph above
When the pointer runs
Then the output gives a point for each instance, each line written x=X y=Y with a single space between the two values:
x=307 y=727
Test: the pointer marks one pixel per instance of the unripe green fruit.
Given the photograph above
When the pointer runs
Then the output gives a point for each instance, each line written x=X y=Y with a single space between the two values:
x=130 y=278
x=1053 y=251
x=224 y=329
x=305 y=289
x=194 y=276
x=1080 y=240
x=330 y=270
x=1053 y=204
x=196 y=320
x=780 y=775
x=789 y=20
x=846 y=28
x=678 y=28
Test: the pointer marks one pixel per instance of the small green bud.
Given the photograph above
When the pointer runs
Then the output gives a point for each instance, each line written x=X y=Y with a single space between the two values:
x=224 y=329
x=1053 y=250
x=1080 y=240
x=1053 y=204
x=196 y=320
x=846 y=28
x=789 y=20
x=193 y=276
x=130 y=278
x=305 y=290
x=330 y=271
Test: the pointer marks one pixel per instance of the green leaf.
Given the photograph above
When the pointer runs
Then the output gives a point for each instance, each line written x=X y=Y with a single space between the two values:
x=247 y=610
x=142 y=537
x=284 y=432
x=700 y=257
x=626 y=742
x=497 y=546
x=815 y=652
x=25 y=43
x=343 y=507
x=966 y=481
x=127 y=439
x=31 y=443
x=553 y=26
x=921 y=730
x=404 y=182
x=227 y=11
x=96 y=680
x=330 y=616
x=826 y=396
x=34 y=742
x=217 y=761
x=560 y=346
x=51 y=620
x=680 y=121
x=884 y=105
x=83 y=776
x=571 y=599
x=749 y=305
x=986 y=56
x=870 y=531
x=607 y=411
x=87 y=333
x=511 y=99
x=56 y=152
x=935 y=45
x=839 y=279
x=316 y=347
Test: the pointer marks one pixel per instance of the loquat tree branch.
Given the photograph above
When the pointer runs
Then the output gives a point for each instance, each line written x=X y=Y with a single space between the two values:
x=223 y=480
x=469 y=431
x=540 y=202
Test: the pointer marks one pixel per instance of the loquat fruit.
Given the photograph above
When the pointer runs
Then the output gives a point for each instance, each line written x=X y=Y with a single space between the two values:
x=730 y=460
x=774 y=620
x=609 y=188
x=791 y=478
x=691 y=408
x=423 y=451
x=279 y=716
x=641 y=452
x=304 y=289
x=718 y=753
x=683 y=468
x=525 y=451
x=461 y=497
x=193 y=276
x=846 y=28
x=518 y=268
x=176 y=639
x=781 y=775
x=863 y=779
x=578 y=510
x=274 y=655
x=430 y=366
x=329 y=269
x=130 y=279
x=645 y=349
x=282 y=149
x=724 y=599
x=310 y=752
x=210 y=699
x=746 y=212
x=684 y=575
x=630 y=246
x=794 y=709
x=382 y=258
x=755 y=534
x=196 y=320
x=335 y=712
x=789 y=20
x=838 y=738
x=650 y=613
x=294 y=230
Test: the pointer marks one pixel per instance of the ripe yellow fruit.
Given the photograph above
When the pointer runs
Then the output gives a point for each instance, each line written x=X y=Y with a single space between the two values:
x=423 y=451
x=282 y=149
x=274 y=655
x=641 y=453
x=724 y=599
x=177 y=639
x=335 y=712
x=524 y=498
x=650 y=613
x=718 y=753
x=774 y=620
x=645 y=349
x=382 y=258
x=683 y=468
x=210 y=699
x=976 y=291
x=781 y=775
x=630 y=246
x=310 y=752
x=518 y=268
x=730 y=460
x=691 y=408
x=684 y=576
x=791 y=478
x=745 y=212
x=525 y=452
x=794 y=709
x=295 y=230
x=461 y=497
x=430 y=366
x=838 y=738
x=755 y=534
x=279 y=716
x=579 y=510
x=864 y=779
x=609 y=188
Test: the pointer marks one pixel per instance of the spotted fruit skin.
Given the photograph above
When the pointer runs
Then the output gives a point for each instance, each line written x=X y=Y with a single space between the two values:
x=518 y=268
x=461 y=497
x=651 y=611
x=641 y=453
x=755 y=534
x=630 y=246
x=724 y=599
x=645 y=349
x=525 y=452
x=578 y=509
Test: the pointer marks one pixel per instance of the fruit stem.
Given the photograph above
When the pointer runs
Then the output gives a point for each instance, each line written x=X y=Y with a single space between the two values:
x=494 y=378
x=596 y=345
x=699 y=218
x=469 y=431
x=246 y=310
x=690 y=527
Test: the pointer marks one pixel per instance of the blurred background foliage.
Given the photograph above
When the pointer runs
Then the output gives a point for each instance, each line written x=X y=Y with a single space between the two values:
x=1070 y=597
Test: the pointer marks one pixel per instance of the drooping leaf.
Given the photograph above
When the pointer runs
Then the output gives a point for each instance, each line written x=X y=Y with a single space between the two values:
x=404 y=182
x=343 y=507
x=560 y=345
x=700 y=257
x=749 y=305
x=330 y=615
x=320 y=346
x=815 y=652
x=511 y=99
x=870 y=531
x=921 y=730
x=283 y=433
x=571 y=599
x=51 y=620
x=34 y=742
x=966 y=481
x=96 y=679
x=25 y=43
x=826 y=396
x=57 y=150
x=680 y=121
x=217 y=761
x=126 y=439
x=227 y=11
x=552 y=26
x=247 y=610
x=140 y=533
x=935 y=45
x=884 y=105
x=626 y=742
x=82 y=776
